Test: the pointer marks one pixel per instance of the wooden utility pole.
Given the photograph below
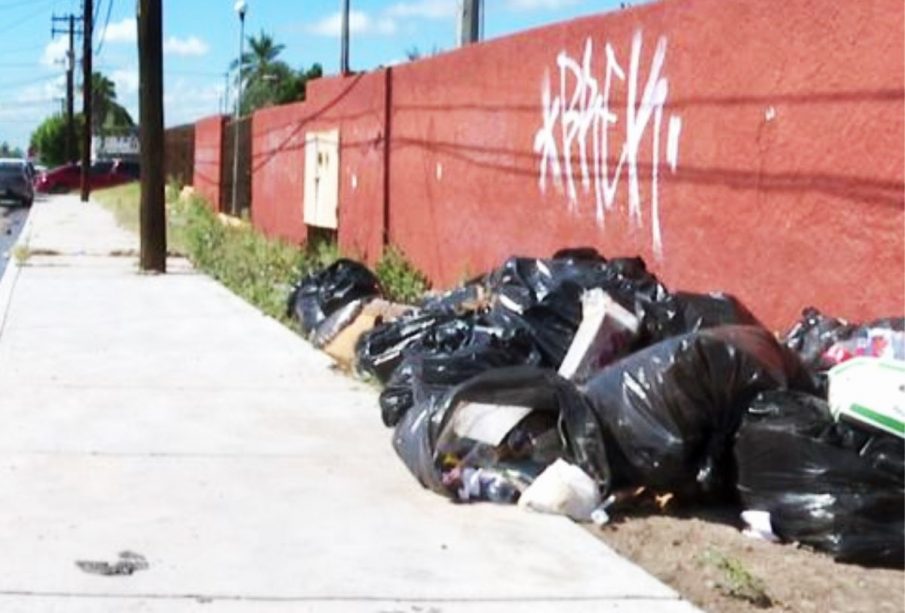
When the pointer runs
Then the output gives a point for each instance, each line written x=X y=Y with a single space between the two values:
x=69 y=107
x=87 y=42
x=153 y=230
x=70 y=93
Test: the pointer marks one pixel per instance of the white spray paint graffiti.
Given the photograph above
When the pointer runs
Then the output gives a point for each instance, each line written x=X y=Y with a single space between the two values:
x=579 y=117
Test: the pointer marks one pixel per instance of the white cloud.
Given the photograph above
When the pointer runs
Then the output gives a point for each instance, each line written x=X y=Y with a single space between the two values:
x=48 y=91
x=124 y=31
x=359 y=23
x=55 y=51
x=126 y=81
x=427 y=9
x=185 y=101
x=185 y=46
x=533 y=5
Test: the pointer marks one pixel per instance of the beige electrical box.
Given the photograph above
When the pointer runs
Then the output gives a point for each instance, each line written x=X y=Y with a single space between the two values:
x=322 y=179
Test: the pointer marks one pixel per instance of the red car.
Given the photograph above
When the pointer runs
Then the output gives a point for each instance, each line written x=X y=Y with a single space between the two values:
x=105 y=173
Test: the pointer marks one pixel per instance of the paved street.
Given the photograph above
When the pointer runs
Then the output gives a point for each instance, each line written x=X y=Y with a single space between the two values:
x=164 y=417
x=12 y=218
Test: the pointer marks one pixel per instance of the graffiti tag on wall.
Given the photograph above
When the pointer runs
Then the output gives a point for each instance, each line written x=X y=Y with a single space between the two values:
x=575 y=140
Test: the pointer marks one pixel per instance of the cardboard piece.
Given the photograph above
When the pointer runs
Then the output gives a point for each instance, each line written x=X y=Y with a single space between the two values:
x=487 y=423
x=342 y=347
x=606 y=330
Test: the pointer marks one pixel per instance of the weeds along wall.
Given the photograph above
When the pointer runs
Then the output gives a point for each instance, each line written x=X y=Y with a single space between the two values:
x=208 y=169
x=751 y=146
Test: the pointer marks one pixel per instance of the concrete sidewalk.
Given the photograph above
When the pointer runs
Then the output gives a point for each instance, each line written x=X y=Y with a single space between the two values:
x=163 y=415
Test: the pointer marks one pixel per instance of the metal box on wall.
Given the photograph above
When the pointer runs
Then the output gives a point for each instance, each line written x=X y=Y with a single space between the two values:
x=321 y=198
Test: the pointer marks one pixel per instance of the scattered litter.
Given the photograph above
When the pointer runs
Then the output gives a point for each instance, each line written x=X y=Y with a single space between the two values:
x=129 y=562
x=563 y=489
x=582 y=386
x=758 y=526
x=824 y=342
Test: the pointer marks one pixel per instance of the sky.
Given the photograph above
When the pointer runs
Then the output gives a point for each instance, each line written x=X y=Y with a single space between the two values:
x=201 y=39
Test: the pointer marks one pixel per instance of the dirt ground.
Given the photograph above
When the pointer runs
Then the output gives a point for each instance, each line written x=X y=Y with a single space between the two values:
x=712 y=564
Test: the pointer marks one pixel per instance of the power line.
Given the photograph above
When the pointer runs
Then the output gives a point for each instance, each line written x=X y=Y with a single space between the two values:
x=103 y=36
x=18 y=3
x=97 y=11
x=39 y=100
x=19 y=65
x=13 y=50
x=30 y=81
x=16 y=24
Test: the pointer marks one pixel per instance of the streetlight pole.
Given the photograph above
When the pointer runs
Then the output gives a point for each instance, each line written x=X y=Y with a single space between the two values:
x=344 y=39
x=241 y=8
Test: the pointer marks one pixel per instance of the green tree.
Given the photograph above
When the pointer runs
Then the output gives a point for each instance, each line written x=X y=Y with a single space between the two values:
x=7 y=151
x=296 y=88
x=267 y=80
x=261 y=58
x=108 y=116
x=49 y=139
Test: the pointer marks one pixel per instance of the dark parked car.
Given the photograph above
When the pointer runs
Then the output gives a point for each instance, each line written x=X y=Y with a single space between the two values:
x=16 y=177
x=103 y=173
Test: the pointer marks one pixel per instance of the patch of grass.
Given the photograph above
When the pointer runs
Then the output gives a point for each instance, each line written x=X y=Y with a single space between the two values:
x=173 y=189
x=21 y=253
x=322 y=253
x=738 y=582
x=123 y=202
x=258 y=269
x=401 y=282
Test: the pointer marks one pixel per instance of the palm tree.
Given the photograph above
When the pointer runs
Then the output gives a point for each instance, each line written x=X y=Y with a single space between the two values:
x=107 y=114
x=103 y=96
x=260 y=60
x=267 y=80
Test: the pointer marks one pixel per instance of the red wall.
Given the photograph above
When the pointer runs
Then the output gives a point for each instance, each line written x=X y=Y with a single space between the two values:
x=208 y=158
x=356 y=106
x=788 y=185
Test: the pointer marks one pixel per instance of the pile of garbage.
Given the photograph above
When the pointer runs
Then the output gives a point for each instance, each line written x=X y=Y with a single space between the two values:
x=559 y=384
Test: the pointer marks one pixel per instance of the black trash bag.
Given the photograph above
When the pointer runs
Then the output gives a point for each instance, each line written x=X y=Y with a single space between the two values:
x=398 y=395
x=630 y=283
x=457 y=301
x=426 y=443
x=551 y=323
x=379 y=352
x=320 y=294
x=522 y=282
x=813 y=334
x=330 y=328
x=544 y=296
x=668 y=413
x=831 y=485
x=685 y=312
x=450 y=353
x=588 y=254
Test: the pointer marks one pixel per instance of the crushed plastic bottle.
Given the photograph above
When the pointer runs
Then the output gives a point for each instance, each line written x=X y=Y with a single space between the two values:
x=486 y=484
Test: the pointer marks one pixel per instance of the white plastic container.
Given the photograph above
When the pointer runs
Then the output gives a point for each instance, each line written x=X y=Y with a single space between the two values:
x=870 y=391
x=563 y=489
